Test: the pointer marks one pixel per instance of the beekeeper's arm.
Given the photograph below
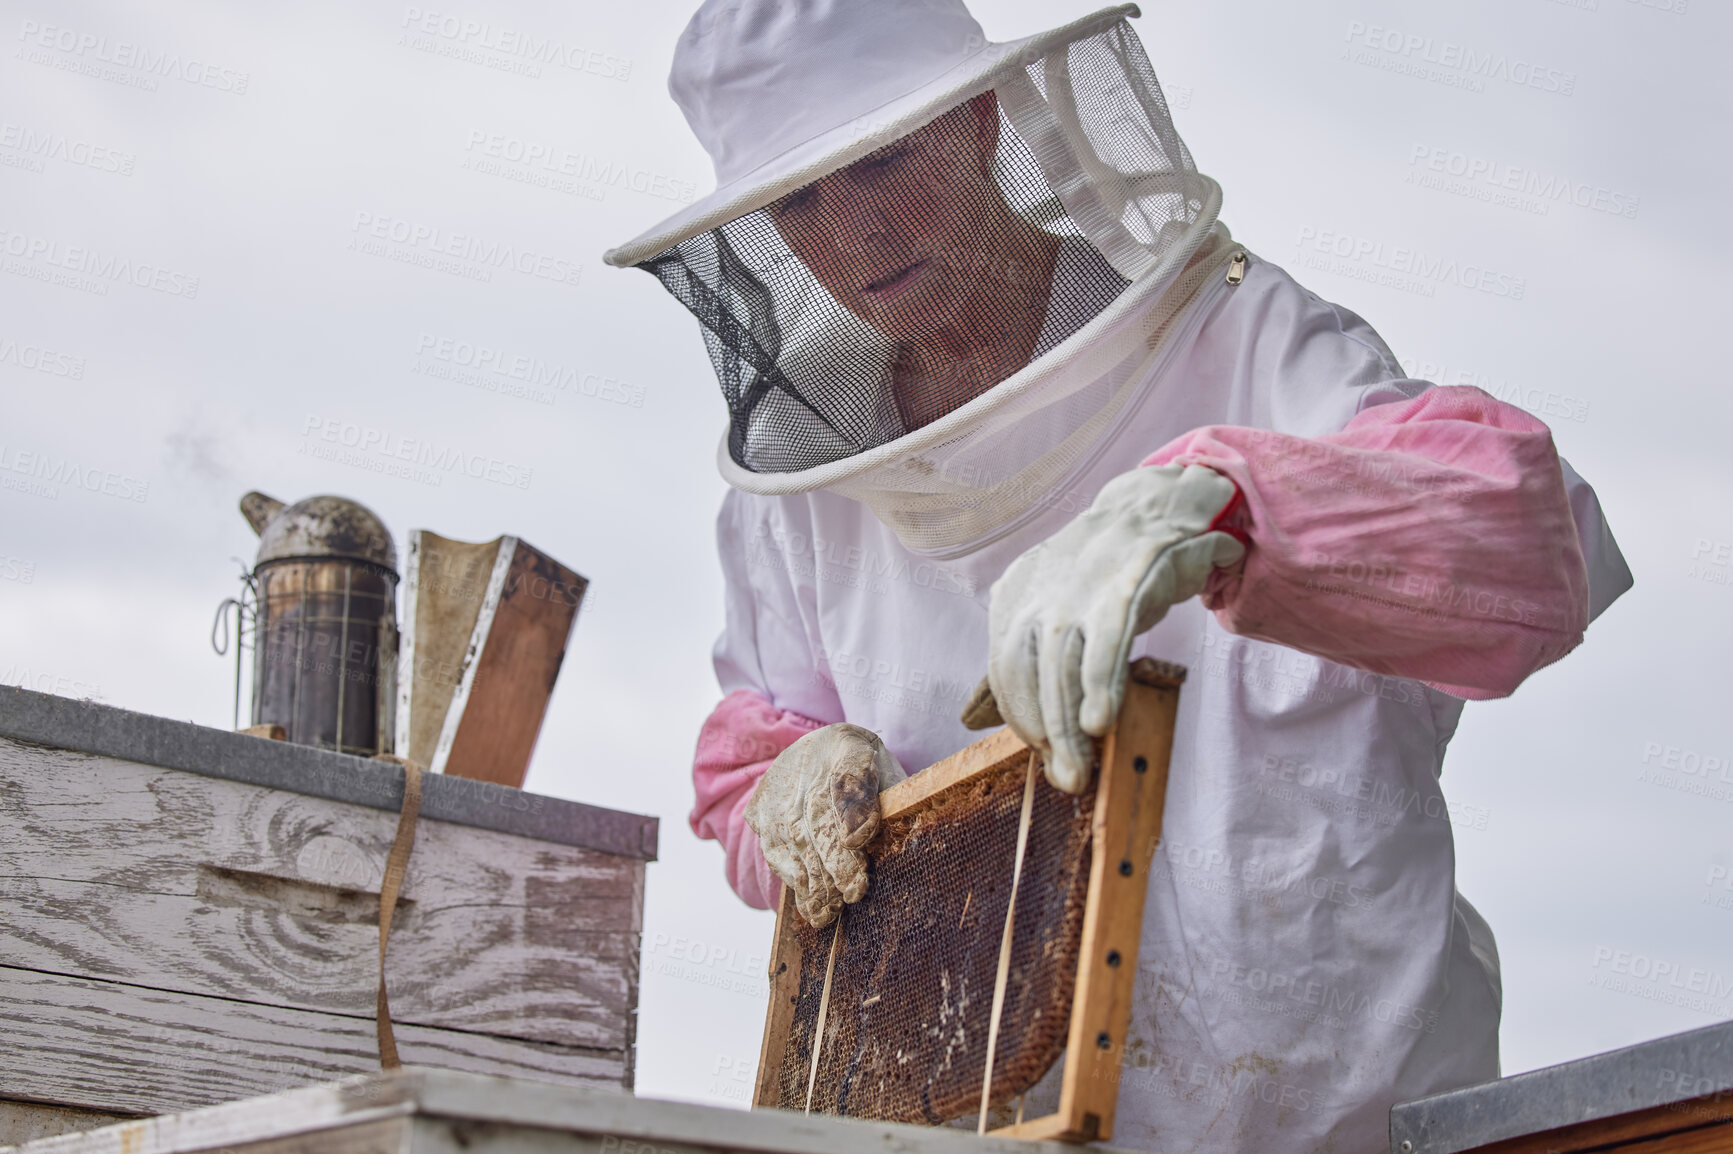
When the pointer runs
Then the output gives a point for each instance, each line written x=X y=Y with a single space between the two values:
x=786 y=794
x=1434 y=539
x=1438 y=538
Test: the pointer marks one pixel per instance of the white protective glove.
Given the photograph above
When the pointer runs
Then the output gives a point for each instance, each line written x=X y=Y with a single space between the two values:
x=814 y=810
x=1062 y=618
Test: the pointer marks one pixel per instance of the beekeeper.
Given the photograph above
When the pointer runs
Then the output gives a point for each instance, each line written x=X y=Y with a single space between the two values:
x=1004 y=397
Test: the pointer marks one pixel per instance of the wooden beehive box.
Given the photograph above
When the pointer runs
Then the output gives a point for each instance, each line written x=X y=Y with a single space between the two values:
x=190 y=916
x=418 y=1111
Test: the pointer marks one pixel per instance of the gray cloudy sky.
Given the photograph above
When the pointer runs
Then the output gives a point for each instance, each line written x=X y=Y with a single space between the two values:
x=255 y=199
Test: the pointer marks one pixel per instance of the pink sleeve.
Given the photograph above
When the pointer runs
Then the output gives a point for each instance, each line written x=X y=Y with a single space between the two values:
x=1429 y=539
x=737 y=744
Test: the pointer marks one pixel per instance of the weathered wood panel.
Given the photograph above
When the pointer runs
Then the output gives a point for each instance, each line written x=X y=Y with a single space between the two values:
x=324 y=1110
x=1710 y=1140
x=380 y=1136
x=448 y=1112
x=140 y=1051
x=385 y=1136
x=44 y=720
x=198 y=885
x=22 y=1122
x=1708 y=1119
x=448 y=1136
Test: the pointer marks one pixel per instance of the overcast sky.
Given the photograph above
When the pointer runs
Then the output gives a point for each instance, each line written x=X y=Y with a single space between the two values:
x=254 y=196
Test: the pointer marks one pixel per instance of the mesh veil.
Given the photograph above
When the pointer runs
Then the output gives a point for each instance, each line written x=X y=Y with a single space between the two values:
x=946 y=327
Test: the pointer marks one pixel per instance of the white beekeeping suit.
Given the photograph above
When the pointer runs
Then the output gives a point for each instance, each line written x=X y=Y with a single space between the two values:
x=953 y=291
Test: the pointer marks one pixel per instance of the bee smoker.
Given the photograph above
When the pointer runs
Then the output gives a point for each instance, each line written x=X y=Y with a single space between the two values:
x=324 y=591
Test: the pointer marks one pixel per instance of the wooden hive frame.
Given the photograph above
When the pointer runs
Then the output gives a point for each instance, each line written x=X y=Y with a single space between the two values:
x=1125 y=828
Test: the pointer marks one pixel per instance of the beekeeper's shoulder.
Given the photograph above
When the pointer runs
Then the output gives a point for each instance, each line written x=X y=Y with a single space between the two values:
x=748 y=518
x=1308 y=359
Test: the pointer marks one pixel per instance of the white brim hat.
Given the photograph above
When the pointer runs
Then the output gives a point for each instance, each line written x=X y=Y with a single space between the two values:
x=783 y=92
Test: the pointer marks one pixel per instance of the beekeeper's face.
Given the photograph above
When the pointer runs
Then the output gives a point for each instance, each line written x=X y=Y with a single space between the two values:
x=905 y=235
